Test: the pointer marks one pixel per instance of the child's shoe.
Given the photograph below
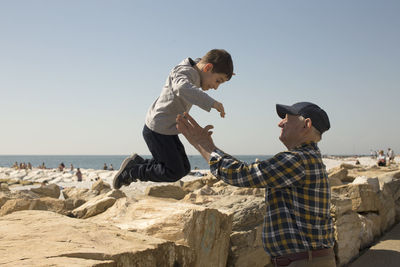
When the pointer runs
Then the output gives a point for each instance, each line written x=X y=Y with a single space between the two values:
x=123 y=176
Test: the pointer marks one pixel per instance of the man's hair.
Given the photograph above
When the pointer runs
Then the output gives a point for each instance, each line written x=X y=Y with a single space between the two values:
x=221 y=61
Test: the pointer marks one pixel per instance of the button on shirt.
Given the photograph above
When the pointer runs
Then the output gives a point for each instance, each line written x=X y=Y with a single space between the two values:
x=297 y=195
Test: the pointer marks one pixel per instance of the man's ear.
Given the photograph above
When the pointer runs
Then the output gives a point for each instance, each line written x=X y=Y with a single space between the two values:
x=208 y=67
x=307 y=123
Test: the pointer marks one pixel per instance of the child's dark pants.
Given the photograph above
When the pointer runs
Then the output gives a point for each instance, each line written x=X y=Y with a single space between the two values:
x=169 y=163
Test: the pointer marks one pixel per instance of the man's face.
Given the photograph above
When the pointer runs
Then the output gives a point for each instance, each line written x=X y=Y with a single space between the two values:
x=211 y=80
x=292 y=128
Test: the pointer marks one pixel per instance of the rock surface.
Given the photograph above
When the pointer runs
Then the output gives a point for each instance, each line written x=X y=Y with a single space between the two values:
x=43 y=238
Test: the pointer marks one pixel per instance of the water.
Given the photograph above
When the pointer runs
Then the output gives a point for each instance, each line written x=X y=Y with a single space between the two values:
x=97 y=161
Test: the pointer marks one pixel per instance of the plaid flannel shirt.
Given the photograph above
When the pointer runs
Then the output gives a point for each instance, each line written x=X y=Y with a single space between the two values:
x=297 y=195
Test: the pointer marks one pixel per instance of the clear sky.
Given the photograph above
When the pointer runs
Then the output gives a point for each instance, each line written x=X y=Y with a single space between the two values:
x=77 y=77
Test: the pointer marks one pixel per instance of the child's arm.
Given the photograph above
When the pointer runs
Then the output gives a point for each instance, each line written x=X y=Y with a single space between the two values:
x=220 y=108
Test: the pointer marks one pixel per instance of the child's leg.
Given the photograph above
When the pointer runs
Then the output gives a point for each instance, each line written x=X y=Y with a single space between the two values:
x=169 y=163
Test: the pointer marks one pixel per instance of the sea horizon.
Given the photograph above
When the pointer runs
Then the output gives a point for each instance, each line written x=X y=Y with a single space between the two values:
x=97 y=161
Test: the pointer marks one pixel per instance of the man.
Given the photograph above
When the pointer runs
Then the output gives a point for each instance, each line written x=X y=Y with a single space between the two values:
x=298 y=228
x=390 y=155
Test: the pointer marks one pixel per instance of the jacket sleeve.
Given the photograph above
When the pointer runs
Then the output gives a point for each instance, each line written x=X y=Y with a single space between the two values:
x=282 y=170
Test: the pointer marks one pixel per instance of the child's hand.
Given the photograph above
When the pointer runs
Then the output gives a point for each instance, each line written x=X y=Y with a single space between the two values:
x=218 y=106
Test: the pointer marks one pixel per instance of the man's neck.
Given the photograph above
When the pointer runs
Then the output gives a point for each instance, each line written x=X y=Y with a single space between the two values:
x=300 y=142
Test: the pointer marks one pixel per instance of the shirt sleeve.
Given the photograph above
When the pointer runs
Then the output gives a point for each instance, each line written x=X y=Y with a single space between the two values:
x=282 y=170
x=184 y=88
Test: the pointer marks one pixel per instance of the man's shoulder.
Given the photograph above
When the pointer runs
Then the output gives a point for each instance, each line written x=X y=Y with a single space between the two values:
x=288 y=155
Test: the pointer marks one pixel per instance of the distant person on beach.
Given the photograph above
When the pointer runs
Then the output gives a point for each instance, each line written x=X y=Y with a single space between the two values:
x=184 y=87
x=15 y=166
x=79 y=174
x=381 y=158
x=43 y=166
x=29 y=166
x=298 y=227
x=71 y=167
x=61 y=167
x=105 y=167
x=390 y=155
x=111 y=168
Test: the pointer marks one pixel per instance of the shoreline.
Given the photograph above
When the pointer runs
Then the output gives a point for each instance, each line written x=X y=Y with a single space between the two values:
x=25 y=179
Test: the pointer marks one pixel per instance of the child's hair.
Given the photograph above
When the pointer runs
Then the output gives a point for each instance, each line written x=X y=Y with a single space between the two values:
x=221 y=61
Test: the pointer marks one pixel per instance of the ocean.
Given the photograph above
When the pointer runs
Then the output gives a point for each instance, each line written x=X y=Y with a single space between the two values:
x=97 y=161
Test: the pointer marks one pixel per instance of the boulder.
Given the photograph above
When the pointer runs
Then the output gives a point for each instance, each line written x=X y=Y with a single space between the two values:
x=387 y=210
x=101 y=187
x=347 y=235
x=42 y=238
x=4 y=187
x=340 y=204
x=374 y=182
x=192 y=186
x=79 y=193
x=97 y=204
x=204 y=230
x=370 y=229
x=362 y=196
x=248 y=213
x=338 y=173
x=165 y=191
x=50 y=190
x=46 y=203
x=247 y=249
x=348 y=166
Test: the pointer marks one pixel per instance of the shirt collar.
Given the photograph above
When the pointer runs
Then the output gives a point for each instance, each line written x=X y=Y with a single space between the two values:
x=309 y=144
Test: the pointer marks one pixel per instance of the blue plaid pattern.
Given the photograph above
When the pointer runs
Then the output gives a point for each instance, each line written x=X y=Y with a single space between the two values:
x=297 y=194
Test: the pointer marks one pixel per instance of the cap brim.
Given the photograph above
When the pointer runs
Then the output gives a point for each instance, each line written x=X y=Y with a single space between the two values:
x=282 y=110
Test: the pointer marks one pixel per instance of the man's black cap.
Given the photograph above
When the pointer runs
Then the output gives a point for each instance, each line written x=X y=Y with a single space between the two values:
x=318 y=116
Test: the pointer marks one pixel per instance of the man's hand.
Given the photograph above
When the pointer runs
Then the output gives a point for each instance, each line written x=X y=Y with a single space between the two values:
x=218 y=106
x=198 y=137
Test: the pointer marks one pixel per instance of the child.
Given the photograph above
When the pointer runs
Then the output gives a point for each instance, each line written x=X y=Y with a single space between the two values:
x=184 y=87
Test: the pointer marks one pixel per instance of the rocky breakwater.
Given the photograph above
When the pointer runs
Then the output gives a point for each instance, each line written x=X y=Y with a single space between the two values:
x=365 y=204
x=203 y=222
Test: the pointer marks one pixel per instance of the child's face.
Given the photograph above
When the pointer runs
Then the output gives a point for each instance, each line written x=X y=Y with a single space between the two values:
x=211 y=80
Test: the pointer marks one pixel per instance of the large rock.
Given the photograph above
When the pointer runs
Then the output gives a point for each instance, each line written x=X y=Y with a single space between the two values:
x=370 y=229
x=347 y=235
x=97 y=204
x=387 y=210
x=338 y=173
x=79 y=193
x=204 y=230
x=248 y=217
x=101 y=187
x=363 y=197
x=340 y=204
x=390 y=186
x=248 y=211
x=51 y=190
x=247 y=249
x=374 y=182
x=42 y=238
x=47 y=203
x=165 y=191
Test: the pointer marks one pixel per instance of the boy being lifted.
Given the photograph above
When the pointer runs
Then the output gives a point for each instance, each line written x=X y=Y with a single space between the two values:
x=185 y=87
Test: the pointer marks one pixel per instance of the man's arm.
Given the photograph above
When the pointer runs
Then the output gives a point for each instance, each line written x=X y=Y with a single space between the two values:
x=281 y=170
